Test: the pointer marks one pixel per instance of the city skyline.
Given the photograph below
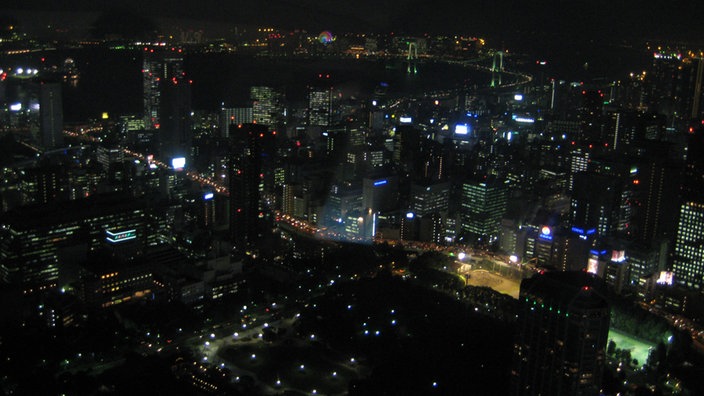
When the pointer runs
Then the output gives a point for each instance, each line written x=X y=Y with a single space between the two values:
x=577 y=21
x=283 y=206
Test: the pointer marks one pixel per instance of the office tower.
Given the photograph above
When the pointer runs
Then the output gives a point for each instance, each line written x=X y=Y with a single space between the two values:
x=380 y=194
x=483 y=204
x=560 y=340
x=290 y=192
x=51 y=115
x=36 y=240
x=688 y=258
x=248 y=143
x=159 y=65
x=341 y=201
x=320 y=106
x=658 y=182
x=590 y=113
x=676 y=87
x=604 y=197
x=175 y=131
x=594 y=203
x=335 y=140
x=427 y=198
x=234 y=115
x=407 y=143
x=267 y=105
x=698 y=71
x=47 y=183
x=208 y=211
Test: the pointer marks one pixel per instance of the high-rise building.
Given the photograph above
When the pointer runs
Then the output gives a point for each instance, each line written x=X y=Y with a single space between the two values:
x=36 y=240
x=380 y=194
x=158 y=65
x=236 y=116
x=51 y=114
x=248 y=143
x=427 y=198
x=560 y=340
x=267 y=105
x=688 y=259
x=676 y=86
x=483 y=205
x=657 y=200
x=175 y=131
x=320 y=106
x=603 y=197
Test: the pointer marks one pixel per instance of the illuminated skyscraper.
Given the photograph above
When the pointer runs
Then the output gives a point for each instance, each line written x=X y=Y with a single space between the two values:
x=234 y=115
x=427 y=198
x=483 y=206
x=688 y=258
x=560 y=340
x=320 y=106
x=267 y=105
x=158 y=65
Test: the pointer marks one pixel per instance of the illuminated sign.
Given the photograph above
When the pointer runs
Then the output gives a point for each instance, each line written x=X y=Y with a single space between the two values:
x=461 y=129
x=405 y=120
x=518 y=97
x=208 y=196
x=581 y=231
x=380 y=183
x=178 y=163
x=16 y=107
x=524 y=120
x=546 y=233
x=410 y=215
x=122 y=236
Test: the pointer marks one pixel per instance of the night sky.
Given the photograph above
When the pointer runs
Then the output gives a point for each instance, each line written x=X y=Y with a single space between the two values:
x=512 y=21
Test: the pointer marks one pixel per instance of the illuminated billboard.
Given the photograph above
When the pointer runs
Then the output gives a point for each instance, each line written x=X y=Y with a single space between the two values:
x=380 y=182
x=461 y=129
x=593 y=266
x=119 y=237
x=178 y=163
x=208 y=196
x=524 y=120
x=618 y=256
x=405 y=120
x=665 y=278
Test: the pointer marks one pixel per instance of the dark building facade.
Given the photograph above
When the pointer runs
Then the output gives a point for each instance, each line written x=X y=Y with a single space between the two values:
x=561 y=337
x=249 y=143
